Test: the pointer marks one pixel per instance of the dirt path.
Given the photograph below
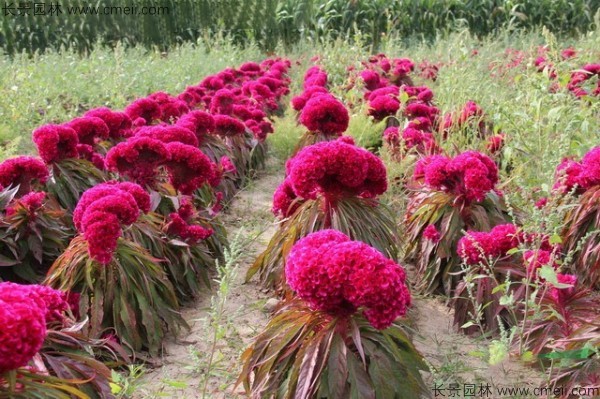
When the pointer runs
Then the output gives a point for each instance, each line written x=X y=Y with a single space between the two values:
x=185 y=366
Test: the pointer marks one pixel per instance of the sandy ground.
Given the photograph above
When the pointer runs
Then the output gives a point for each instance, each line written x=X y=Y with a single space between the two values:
x=183 y=373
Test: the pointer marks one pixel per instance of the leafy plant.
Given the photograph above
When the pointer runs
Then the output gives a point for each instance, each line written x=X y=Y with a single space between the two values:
x=70 y=178
x=311 y=354
x=130 y=296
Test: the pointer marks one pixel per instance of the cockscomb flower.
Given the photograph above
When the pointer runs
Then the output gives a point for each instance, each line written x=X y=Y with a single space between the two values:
x=336 y=169
x=102 y=210
x=55 y=142
x=568 y=53
x=171 y=107
x=285 y=200
x=315 y=76
x=381 y=107
x=145 y=108
x=569 y=173
x=418 y=109
x=88 y=129
x=535 y=259
x=137 y=158
x=227 y=126
x=477 y=246
x=299 y=101
x=87 y=152
x=325 y=114
x=191 y=233
x=169 y=134
x=24 y=172
x=119 y=124
x=495 y=143
x=55 y=301
x=199 y=122
x=402 y=67
x=188 y=167
x=23 y=321
x=422 y=142
x=560 y=295
x=339 y=276
x=222 y=102
x=432 y=234
x=470 y=175
x=372 y=80
x=31 y=202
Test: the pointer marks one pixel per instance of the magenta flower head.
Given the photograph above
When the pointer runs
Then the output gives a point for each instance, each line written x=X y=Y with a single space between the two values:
x=336 y=169
x=89 y=129
x=102 y=210
x=199 y=122
x=325 y=114
x=23 y=321
x=381 y=107
x=228 y=126
x=169 y=134
x=55 y=142
x=188 y=167
x=119 y=124
x=145 y=108
x=470 y=175
x=477 y=246
x=23 y=172
x=339 y=276
x=137 y=158
x=222 y=102
x=299 y=101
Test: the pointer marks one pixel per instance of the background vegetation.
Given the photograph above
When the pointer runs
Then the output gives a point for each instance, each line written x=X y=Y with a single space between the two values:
x=270 y=22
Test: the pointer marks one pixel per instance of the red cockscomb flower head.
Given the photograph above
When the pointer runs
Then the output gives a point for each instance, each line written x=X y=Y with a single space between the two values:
x=102 y=232
x=119 y=124
x=88 y=129
x=339 y=276
x=171 y=107
x=325 y=114
x=535 y=259
x=299 y=102
x=55 y=142
x=227 y=126
x=283 y=200
x=130 y=199
x=422 y=142
x=336 y=169
x=475 y=175
x=141 y=196
x=87 y=152
x=591 y=168
x=475 y=247
x=24 y=172
x=416 y=109
x=23 y=321
x=402 y=67
x=568 y=53
x=169 y=134
x=381 y=107
x=561 y=295
x=432 y=234
x=227 y=165
x=569 y=173
x=222 y=102
x=32 y=202
x=420 y=123
x=191 y=233
x=391 y=91
x=495 y=143
x=251 y=68
x=137 y=158
x=199 y=122
x=470 y=110
x=55 y=301
x=541 y=203
x=145 y=108
x=391 y=135
x=372 y=79
x=188 y=167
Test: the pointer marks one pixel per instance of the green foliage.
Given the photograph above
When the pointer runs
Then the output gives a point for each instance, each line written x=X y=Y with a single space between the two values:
x=269 y=22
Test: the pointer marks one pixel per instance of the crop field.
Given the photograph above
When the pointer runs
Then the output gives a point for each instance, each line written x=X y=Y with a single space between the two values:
x=322 y=210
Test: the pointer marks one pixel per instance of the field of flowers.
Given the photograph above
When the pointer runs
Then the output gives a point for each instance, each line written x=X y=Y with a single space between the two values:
x=466 y=170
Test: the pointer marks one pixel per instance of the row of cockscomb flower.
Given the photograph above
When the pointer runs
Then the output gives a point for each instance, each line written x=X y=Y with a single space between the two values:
x=333 y=261
x=137 y=192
